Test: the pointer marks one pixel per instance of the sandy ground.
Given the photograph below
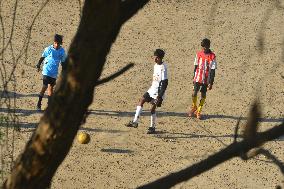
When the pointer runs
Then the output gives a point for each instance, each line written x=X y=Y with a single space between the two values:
x=121 y=157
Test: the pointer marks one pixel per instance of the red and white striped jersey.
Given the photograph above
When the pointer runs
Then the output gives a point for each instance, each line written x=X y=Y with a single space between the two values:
x=204 y=62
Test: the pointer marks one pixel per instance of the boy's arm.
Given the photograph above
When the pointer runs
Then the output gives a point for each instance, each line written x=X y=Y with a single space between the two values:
x=64 y=61
x=164 y=82
x=195 y=65
x=211 y=76
x=39 y=63
x=44 y=54
x=163 y=87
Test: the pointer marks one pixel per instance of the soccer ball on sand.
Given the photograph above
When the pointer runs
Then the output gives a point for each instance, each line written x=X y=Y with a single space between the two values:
x=83 y=138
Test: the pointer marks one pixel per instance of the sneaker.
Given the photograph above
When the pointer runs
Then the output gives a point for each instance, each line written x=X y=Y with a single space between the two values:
x=198 y=115
x=192 y=112
x=151 y=130
x=132 y=124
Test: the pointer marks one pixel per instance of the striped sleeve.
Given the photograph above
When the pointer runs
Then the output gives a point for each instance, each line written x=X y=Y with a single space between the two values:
x=195 y=60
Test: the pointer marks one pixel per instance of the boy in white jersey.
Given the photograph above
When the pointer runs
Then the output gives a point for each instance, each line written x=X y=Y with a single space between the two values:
x=155 y=93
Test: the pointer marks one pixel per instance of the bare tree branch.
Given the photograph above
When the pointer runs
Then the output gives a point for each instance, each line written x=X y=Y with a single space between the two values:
x=229 y=152
x=251 y=141
x=274 y=159
x=115 y=75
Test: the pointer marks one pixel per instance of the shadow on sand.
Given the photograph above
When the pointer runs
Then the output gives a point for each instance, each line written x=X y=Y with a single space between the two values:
x=177 y=114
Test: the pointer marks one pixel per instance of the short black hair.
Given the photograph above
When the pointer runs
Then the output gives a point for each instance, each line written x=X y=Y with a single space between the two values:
x=58 y=38
x=159 y=53
x=205 y=43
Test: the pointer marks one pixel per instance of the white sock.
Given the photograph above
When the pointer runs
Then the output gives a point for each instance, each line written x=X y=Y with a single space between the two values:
x=153 y=120
x=137 y=113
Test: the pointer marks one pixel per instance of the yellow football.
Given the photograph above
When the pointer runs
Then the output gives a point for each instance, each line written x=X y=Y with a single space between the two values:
x=83 y=138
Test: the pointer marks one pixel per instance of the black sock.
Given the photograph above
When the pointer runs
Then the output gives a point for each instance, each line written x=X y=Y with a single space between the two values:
x=39 y=100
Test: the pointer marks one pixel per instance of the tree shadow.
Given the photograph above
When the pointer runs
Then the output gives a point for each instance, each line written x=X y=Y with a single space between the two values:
x=208 y=116
x=174 y=136
x=117 y=150
x=10 y=94
x=28 y=127
x=167 y=135
x=22 y=112
x=130 y=114
x=177 y=114
x=112 y=131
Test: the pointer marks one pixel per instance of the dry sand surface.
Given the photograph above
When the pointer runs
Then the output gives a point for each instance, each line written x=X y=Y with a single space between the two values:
x=121 y=157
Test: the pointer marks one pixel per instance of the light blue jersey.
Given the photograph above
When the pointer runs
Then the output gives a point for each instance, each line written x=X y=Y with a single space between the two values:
x=52 y=58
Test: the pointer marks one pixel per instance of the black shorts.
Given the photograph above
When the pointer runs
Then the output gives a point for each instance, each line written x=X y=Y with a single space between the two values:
x=200 y=87
x=48 y=80
x=148 y=98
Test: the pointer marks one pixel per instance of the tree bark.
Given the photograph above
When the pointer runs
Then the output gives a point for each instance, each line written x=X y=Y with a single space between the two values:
x=50 y=143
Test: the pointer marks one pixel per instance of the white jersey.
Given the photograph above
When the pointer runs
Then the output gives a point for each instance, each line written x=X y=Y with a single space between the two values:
x=160 y=73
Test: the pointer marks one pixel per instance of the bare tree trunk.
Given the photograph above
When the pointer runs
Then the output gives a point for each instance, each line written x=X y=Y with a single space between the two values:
x=50 y=143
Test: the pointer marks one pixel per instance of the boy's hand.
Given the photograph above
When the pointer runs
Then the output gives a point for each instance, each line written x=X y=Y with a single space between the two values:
x=209 y=87
x=157 y=101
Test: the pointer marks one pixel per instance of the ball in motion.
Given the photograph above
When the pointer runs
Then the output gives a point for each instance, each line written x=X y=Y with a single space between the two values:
x=83 y=138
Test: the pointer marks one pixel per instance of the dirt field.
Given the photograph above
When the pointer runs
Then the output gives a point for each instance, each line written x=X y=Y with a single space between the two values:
x=121 y=157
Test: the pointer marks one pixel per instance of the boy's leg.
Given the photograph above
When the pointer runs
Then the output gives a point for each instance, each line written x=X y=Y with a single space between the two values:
x=152 y=127
x=138 y=110
x=40 y=96
x=51 y=84
x=145 y=98
x=49 y=93
x=193 y=107
x=202 y=101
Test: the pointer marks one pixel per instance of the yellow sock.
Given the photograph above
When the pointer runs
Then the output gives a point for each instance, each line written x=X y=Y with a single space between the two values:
x=194 y=101
x=201 y=103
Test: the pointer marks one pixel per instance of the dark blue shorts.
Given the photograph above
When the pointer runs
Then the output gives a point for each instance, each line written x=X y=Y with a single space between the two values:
x=200 y=87
x=48 y=80
x=148 y=98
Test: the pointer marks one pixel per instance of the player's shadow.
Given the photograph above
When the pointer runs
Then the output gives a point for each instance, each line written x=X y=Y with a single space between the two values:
x=177 y=114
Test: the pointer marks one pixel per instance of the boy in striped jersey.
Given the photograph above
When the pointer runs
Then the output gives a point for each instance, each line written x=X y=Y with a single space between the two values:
x=204 y=72
x=155 y=93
